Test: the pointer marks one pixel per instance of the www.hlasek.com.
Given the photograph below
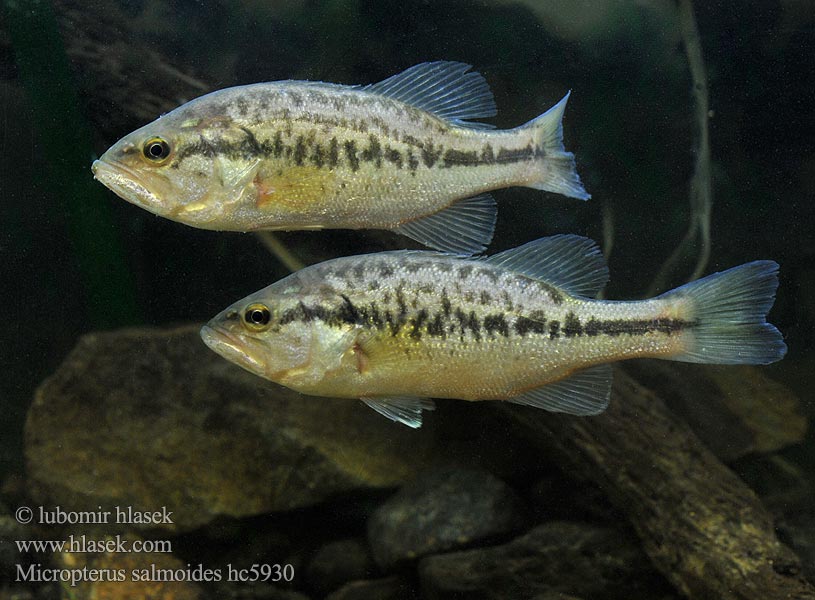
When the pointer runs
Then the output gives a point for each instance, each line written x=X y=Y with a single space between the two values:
x=83 y=544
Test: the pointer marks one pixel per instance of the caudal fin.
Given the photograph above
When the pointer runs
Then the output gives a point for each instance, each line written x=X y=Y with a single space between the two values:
x=728 y=312
x=557 y=173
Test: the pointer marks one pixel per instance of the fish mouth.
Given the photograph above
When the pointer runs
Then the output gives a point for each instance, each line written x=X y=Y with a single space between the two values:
x=125 y=183
x=231 y=347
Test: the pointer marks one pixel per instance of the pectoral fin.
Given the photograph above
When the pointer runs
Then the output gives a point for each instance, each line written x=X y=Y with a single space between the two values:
x=403 y=409
x=233 y=178
x=586 y=392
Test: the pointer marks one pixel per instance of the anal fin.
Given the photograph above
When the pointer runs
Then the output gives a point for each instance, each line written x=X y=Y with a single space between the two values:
x=464 y=228
x=586 y=392
x=402 y=409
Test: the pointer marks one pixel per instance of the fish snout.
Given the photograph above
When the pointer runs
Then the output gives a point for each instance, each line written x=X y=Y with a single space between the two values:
x=233 y=348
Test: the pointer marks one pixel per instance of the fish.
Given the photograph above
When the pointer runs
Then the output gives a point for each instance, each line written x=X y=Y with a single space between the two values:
x=396 y=329
x=402 y=155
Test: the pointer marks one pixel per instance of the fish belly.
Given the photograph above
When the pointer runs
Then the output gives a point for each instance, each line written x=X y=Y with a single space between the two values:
x=485 y=361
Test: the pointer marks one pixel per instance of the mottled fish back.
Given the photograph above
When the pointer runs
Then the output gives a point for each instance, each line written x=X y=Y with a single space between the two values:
x=401 y=154
x=395 y=328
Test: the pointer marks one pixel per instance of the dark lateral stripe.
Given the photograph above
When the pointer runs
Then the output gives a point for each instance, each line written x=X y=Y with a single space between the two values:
x=524 y=325
x=351 y=155
x=455 y=320
x=373 y=153
x=306 y=148
x=454 y=158
x=394 y=157
x=333 y=152
x=496 y=323
x=299 y=150
x=638 y=326
x=487 y=156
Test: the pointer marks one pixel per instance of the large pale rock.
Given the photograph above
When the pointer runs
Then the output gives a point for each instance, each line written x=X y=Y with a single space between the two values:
x=130 y=575
x=151 y=418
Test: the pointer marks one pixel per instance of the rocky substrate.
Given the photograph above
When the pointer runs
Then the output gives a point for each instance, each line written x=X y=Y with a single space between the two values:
x=289 y=497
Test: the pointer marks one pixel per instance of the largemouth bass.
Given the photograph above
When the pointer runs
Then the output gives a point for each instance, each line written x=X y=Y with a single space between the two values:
x=400 y=154
x=396 y=328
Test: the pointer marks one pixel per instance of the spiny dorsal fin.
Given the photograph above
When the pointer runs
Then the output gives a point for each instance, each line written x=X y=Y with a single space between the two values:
x=570 y=262
x=586 y=392
x=447 y=89
x=464 y=228
x=402 y=409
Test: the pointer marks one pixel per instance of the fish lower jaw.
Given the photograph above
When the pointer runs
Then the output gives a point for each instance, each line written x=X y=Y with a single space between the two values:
x=223 y=344
x=120 y=182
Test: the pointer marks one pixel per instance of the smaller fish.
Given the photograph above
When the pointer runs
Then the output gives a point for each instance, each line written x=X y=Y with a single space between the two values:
x=397 y=328
x=401 y=154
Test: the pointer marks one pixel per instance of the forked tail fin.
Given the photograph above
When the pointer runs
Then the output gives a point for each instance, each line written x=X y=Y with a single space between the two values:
x=728 y=312
x=558 y=173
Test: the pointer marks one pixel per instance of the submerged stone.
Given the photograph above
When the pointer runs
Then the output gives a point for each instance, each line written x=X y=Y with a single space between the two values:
x=148 y=418
x=559 y=559
x=338 y=562
x=388 y=588
x=443 y=509
x=130 y=574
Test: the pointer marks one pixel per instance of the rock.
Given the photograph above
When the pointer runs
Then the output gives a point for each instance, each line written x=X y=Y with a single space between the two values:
x=129 y=575
x=443 y=509
x=787 y=491
x=735 y=409
x=230 y=590
x=339 y=562
x=560 y=557
x=11 y=531
x=151 y=418
x=698 y=522
x=389 y=588
x=797 y=529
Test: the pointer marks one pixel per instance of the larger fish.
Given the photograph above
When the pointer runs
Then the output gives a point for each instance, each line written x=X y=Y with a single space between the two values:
x=396 y=328
x=399 y=154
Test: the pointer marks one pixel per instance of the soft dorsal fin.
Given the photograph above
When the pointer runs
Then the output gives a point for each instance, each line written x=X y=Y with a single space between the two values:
x=402 y=409
x=570 y=262
x=447 y=89
x=585 y=393
x=463 y=228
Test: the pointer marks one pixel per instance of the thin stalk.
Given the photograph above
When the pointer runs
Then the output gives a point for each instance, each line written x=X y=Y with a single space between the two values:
x=701 y=186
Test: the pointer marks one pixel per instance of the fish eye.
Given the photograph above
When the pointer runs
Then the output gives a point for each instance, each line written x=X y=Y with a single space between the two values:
x=156 y=150
x=257 y=317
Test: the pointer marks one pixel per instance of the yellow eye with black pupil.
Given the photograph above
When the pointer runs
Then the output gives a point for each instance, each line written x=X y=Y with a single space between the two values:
x=257 y=316
x=156 y=149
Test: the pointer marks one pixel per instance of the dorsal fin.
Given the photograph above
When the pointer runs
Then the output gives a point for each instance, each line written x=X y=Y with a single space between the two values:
x=447 y=89
x=570 y=262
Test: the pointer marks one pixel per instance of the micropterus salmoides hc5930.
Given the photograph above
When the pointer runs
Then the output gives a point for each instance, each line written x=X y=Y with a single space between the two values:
x=396 y=328
x=401 y=154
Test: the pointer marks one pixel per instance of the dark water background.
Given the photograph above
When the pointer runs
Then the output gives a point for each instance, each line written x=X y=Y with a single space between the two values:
x=630 y=123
